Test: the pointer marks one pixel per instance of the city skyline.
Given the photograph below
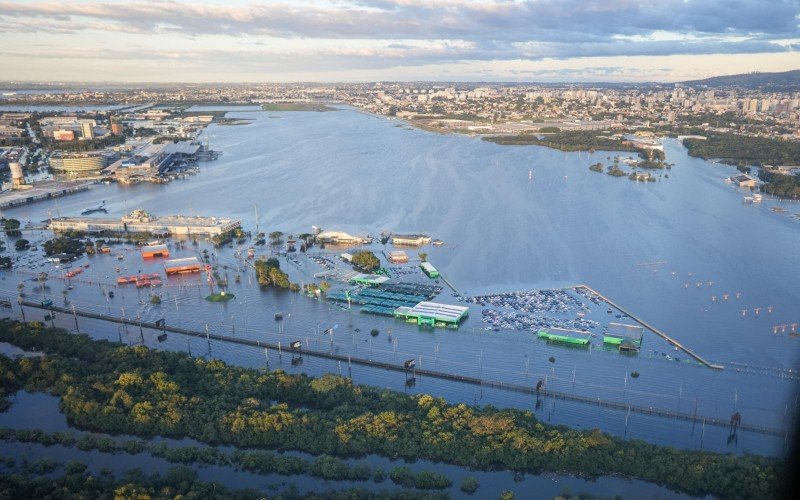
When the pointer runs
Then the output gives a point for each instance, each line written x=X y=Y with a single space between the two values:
x=397 y=40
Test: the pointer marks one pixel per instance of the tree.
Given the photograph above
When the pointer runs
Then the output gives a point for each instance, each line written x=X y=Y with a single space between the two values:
x=5 y=262
x=469 y=485
x=12 y=224
x=276 y=237
x=22 y=244
x=423 y=256
x=324 y=286
x=366 y=261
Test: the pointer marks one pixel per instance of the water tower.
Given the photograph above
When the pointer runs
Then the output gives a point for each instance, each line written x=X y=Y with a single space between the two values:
x=17 y=177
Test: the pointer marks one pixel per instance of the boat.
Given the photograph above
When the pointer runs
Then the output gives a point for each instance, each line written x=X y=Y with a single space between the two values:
x=757 y=198
x=97 y=208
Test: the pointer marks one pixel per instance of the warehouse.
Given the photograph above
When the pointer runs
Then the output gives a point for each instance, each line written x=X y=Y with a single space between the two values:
x=564 y=336
x=428 y=269
x=413 y=240
x=397 y=257
x=181 y=266
x=151 y=251
x=433 y=314
x=626 y=337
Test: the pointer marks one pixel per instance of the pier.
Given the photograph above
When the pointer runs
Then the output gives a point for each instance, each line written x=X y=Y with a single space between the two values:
x=40 y=191
x=542 y=392
x=655 y=330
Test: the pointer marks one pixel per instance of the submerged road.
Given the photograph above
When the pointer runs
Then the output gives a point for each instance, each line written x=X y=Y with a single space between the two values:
x=543 y=392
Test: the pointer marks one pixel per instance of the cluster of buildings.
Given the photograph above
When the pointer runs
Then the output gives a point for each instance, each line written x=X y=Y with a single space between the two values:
x=12 y=125
x=74 y=127
x=512 y=108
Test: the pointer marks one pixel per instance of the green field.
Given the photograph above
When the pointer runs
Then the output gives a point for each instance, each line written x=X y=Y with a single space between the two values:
x=295 y=106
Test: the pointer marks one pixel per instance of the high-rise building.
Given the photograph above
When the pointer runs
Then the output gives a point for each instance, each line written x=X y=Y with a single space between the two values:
x=87 y=130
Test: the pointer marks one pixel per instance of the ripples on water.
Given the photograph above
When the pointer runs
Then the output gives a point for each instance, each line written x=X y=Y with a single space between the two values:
x=637 y=243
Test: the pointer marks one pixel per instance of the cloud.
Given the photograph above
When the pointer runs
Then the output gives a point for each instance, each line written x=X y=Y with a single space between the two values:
x=397 y=33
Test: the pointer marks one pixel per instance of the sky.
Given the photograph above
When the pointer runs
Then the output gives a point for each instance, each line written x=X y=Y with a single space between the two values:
x=394 y=40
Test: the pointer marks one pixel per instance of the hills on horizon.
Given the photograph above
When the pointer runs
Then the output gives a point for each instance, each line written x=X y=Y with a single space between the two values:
x=781 y=80
x=784 y=80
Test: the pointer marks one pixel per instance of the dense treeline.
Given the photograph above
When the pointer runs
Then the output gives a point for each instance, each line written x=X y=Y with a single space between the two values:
x=573 y=140
x=268 y=273
x=777 y=184
x=177 y=482
x=259 y=462
x=104 y=386
x=735 y=149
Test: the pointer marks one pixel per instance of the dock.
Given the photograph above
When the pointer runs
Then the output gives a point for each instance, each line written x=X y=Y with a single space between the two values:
x=655 y=330
x=40 y=191
x=543 y=392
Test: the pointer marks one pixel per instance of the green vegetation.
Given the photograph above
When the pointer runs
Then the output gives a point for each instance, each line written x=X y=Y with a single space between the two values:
x=22 y=244
x=469 y=485
x=80 y=145
x=176 y=483
x=268 y=273
x=220 y=297
x=155 y=300
x=615 y=171
x=5 y=262
x=597 y=167
x=256 y=461
x=425 y=480
x=734 y=149
x=295 y=106
x=228 y=236
x=777 y=184
x=566 y=141
x=133 y=390
x=64 y=244
x=11 y=225
x=549 y=130
x=365 y=261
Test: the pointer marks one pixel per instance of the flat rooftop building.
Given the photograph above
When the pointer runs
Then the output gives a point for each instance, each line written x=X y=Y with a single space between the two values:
x=397 y=257
x=564 y=336
x=182 y=266
x=140 y=221
x=429 y=270
x=433 y=314
x=151 y=251
x=410 y=239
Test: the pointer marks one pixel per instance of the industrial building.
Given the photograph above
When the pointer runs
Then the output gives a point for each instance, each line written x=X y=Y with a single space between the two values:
x=140 y=221
x=429 y=270
x=368 y=279
x=17 y=176
x=340 y=238
x=744 y=180
x=626 y=337
x=182 y=266
x=397 y=257
x=414 y=240
x=564 y=336
x=433 y=314
x=151 y=251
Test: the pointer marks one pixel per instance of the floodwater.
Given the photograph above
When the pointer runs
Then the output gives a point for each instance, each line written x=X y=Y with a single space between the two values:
x=640 y=244
x=45 y=408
